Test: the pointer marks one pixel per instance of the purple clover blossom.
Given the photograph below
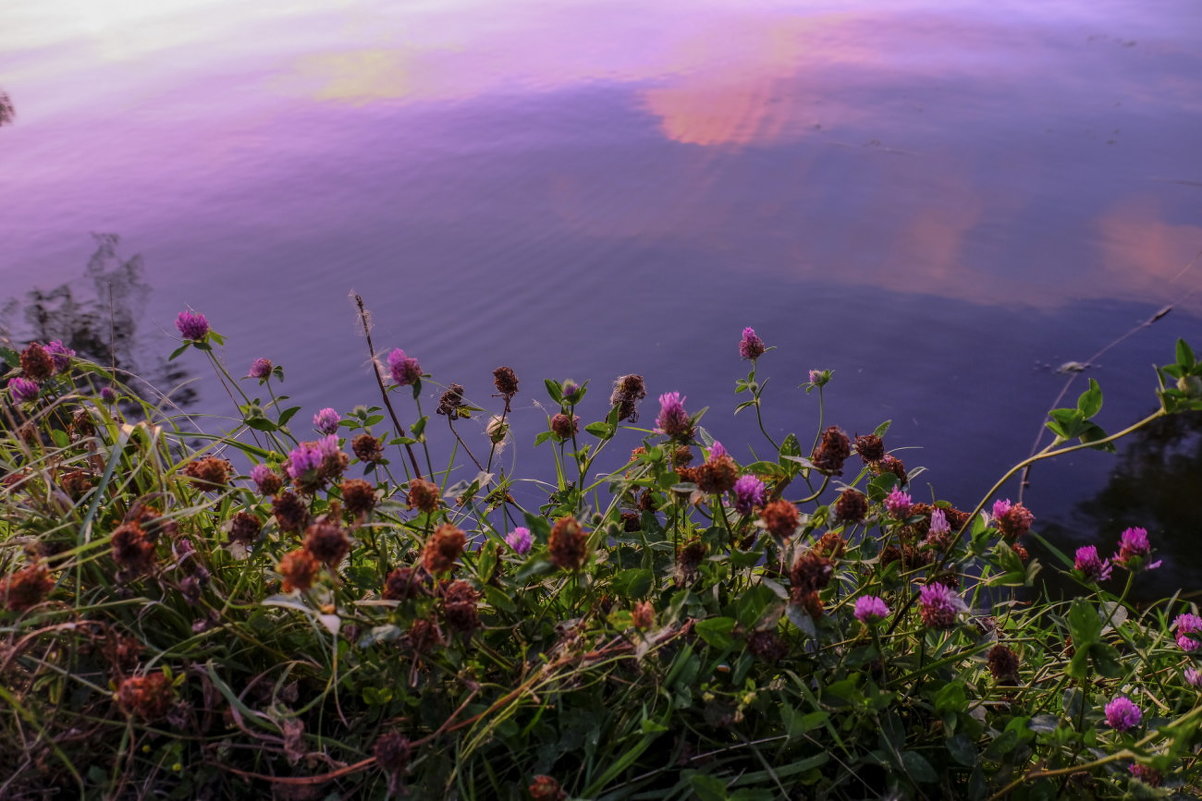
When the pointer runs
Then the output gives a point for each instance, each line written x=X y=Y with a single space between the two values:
x=939 y=605
x=22 y=389
x=1000 y=507
x=520 y=540
x=820 y=378
x=60 y=353
x=1094 y=567
x=304 y=458
x=898 y=504
x=1186 y=625
x=108 y=394
x=192 y=325
x=1134 y=549
x=1122 y=714
x=939 y=524
x=260 y=369
x=673 y=420
x=717 y=451
x=264 y=477
x=1193 y=677
x=870 y=609
x=405 y=370
x=751 y=346
x=749 y=493
x=326 y=421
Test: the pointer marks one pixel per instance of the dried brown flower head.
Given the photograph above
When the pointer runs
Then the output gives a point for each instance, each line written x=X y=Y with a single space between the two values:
x=424 y=635
x=852 y=506
x=367 y=448
x=717 y=476
x=544 y=788
x=565 y=426
x=628 y=391
x=688 y=561
x=1003 y=664
x=891 y=464
x=76 y=484
x=643 y=615
x=870 y=447
x=36 y=362
x=832 y=450
x=451 y=402
x=26 y=588
x=831 y=545
x=359 y=496
x=443 y=548
x=811 y=572
x=424 y=495
x=402 y=584
x=147 y=697
x=767 y=645
x=568 y=544
x=298 y=569
x=506 y=382
x=459 y=606
x=780 y=518
x=245 y=528
x=133 y=549
x=290 y=512
x=392 y=752
x=211 y=472
x=327 y=542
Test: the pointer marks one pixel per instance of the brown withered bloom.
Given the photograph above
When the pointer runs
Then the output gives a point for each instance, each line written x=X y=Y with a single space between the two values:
x=831 y=545
x=870 y=447
x=367 y=448
x=568 y=544
x=780 y=518
x=147 y=697
x=506 y=382
x=290 y=512
x=424 y=635
x=688 y=561
x=1022 y=552
x=889 y=554
x=133 y=549
x=76 y=484
x=767 y=645
x=327 y=542
x=852 y=506
x=26 y=588
x=122 y=653
x=811 y=572
x=1003 y=664
x=82 y=425
x=628 y=391
x=810 y=602
x=36 y=362
x=631 y=522
x=832 y=450
x=642 y=617
x=424 y=495
x=451 y=402
x=209 y=473
x=244 y=528
x=298 y=569
x=565 y=426
x=647 y=501
x=459 y=606
x=681 y=455
x=891 y=464
x=359 y=496
x=445 y=546
x=544 y=788
x=392 y=752
x=402 y=584
x=717 y=476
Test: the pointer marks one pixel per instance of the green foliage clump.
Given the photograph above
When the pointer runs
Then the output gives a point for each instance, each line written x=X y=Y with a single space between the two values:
x=197 y=615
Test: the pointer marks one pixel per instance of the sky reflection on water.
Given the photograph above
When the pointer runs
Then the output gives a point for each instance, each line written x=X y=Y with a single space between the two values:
x=936 y=199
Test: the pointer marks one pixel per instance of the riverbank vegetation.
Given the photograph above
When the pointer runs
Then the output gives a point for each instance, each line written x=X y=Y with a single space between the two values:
x=341 y=611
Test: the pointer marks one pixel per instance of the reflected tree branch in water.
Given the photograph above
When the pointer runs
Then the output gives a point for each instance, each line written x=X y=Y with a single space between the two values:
x=99 y=323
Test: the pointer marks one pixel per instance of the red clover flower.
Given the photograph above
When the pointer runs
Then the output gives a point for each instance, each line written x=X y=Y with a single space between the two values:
x=751 y=346
x=717 y=451
x=1094 y=567
x=60 y=353
x=673 y=420
x=519 y=539
x=1193 y=677
x=1186 y=625
x=260 y=369
x=1122 y=714
x=192 y=325
x=1134 y=548
x=749 y=493
x=939 y=605
x=405 y=370
x=326 y=421
x=898 y=504
x=22 y=389
x=870 y=609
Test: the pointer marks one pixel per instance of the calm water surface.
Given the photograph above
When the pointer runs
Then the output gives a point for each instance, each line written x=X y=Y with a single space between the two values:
x=942 y=201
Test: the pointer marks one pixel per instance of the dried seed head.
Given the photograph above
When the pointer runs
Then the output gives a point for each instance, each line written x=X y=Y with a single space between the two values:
x=209 y=473
x=831 y=545
x=424 y=635
x=544 y=788
x=870 y=447
x=147 y=697
x=767 y=645
x=443 y=548
x=327 y=542
x=832 y=450
x=852 y=506
x=810 y=573
x=564 y=426
x=367 y=448
x=891 y=464
x=424 y=495
x=716 y=476
x=298 y=569
x=451 y=402
x=780 y=518
x=506 y=382
x=290 y=512
x=459 y=606
x=245 y=528
x=36 y=362
x=1003 y=664
x=75 y=483
x=643 y=615
x=133 y=549
x=26 y=588
x=402 y=584
x=359 y=496
x=568 y=544
x=392 y=752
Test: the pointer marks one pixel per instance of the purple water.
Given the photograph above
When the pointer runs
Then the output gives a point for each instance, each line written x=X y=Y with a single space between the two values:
x=940 y=201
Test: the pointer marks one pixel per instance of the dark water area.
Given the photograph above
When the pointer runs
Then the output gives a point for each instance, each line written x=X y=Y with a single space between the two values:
x=942 y=202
